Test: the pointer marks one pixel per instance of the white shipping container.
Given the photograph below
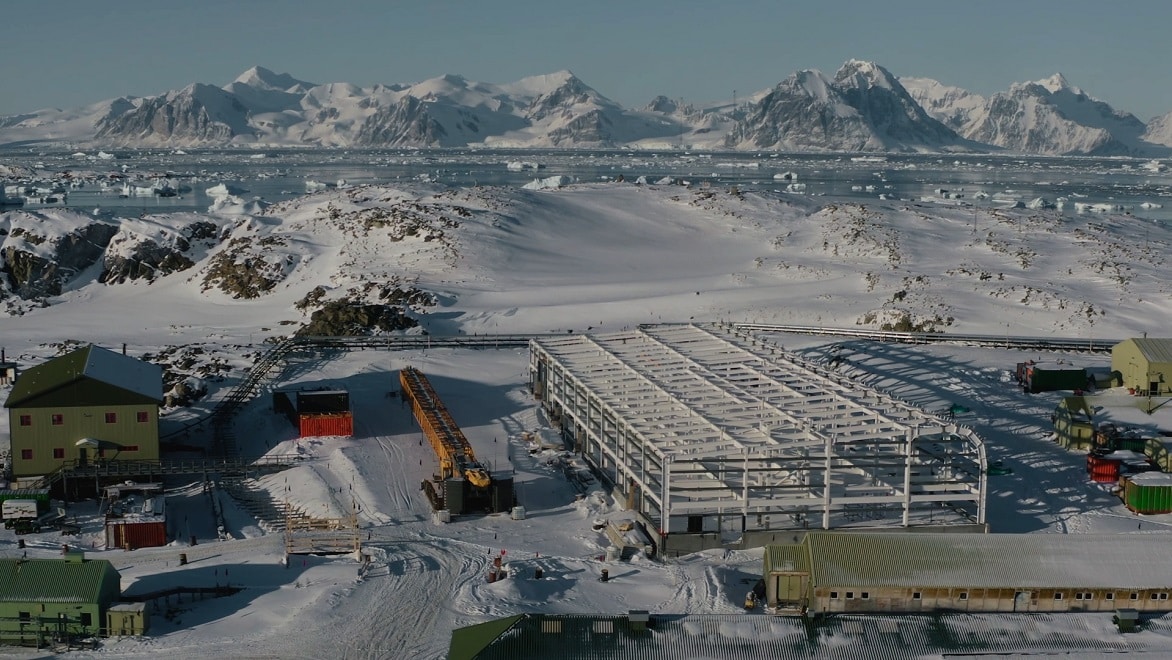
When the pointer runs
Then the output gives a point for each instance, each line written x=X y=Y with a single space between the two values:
x=13 y=509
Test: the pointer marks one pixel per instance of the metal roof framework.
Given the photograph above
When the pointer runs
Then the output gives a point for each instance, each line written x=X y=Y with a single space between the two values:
x=708 y=420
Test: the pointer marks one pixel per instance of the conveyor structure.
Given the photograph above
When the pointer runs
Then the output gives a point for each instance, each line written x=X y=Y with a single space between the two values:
x=456 y=457
x=463 y=484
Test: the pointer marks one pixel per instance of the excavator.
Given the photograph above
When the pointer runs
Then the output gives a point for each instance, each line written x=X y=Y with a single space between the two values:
x=456 y=457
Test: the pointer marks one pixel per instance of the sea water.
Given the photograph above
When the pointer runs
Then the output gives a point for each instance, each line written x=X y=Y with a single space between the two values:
x=1119 y=185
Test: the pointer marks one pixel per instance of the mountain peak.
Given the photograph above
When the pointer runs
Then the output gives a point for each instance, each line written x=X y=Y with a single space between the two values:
x=262 y=78
x=863 y=71
x=1057 y=83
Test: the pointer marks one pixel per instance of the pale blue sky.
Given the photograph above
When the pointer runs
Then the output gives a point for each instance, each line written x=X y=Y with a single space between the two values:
x=67 y=53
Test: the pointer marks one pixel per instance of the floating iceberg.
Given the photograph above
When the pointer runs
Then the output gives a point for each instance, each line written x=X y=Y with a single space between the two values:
x=548 y=183
x=223 y=190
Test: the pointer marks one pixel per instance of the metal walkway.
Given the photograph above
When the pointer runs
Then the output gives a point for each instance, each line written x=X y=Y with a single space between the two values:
x=298 y=348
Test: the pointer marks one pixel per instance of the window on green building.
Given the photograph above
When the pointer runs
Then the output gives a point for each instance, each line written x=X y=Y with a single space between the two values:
x=58 y=419
x=143 y=417
x=26 y=454
x=86 y=619
x=26 y=420
x=58 y=452
x=111 y=418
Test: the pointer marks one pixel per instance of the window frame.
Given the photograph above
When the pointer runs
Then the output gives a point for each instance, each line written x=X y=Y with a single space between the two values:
x=58 y=452
x=26 y=454
x=57 y=419
x=143 y=416
x=111 y=418
x=26 y=420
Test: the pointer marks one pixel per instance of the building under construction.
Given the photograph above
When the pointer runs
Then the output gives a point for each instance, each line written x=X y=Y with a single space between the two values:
x=463 y=484
x=720 y=438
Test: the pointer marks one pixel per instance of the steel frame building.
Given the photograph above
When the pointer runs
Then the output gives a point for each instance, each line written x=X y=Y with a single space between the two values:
x=709 y=430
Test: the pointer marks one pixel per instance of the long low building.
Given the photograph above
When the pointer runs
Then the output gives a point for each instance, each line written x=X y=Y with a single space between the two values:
x=717 y=437
x=830 y=572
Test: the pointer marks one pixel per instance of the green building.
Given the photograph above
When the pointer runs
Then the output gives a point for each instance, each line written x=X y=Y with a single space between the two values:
x=1146 y=364
x=53 y=599
x=904 y=572
x=88 y=405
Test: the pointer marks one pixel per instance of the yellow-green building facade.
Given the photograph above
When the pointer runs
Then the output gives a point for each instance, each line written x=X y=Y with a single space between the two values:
x=89 y=405
x=1145 y=364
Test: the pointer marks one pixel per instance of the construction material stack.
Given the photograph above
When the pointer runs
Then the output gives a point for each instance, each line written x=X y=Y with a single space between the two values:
x=464 y=484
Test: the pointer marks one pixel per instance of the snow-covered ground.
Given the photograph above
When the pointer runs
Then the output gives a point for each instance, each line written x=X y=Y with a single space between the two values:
x=583 y=258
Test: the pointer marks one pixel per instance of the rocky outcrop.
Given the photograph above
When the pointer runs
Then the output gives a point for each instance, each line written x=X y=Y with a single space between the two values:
x=241 y=272
x=37 y=267
x=343 y=318
x=148 y=259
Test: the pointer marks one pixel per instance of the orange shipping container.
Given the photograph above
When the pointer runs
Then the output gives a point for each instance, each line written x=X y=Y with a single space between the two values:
x=326 y=424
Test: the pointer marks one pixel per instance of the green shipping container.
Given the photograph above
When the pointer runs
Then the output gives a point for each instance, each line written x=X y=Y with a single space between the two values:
x=1132 y=443
x=1041 y=379
x=1148 y=492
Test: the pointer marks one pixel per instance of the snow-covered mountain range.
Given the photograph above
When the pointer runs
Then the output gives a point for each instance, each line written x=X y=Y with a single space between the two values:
x=863 y=107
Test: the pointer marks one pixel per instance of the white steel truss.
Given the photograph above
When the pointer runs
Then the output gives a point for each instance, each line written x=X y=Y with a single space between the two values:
x=707 y=428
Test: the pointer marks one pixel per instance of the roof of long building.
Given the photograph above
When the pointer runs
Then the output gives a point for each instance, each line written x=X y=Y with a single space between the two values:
x=893 y=559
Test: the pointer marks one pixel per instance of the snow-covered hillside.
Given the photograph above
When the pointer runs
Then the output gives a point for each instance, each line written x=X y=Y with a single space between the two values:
x=494 y=259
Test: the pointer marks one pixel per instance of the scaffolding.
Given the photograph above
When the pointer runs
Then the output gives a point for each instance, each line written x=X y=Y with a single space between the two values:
x=709 y=430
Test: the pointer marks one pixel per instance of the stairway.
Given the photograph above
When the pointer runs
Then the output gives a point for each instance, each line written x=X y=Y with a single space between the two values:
x=271 y=515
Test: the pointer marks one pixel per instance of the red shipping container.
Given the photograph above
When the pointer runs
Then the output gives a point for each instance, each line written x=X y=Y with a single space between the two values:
x=326 y=424
x=1103 y=470
x=131 y=536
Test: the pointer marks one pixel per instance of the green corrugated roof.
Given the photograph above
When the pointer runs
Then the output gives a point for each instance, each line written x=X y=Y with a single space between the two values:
x=468 y=642
x=53 y=580
x=130 y=381
x=787 y=558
